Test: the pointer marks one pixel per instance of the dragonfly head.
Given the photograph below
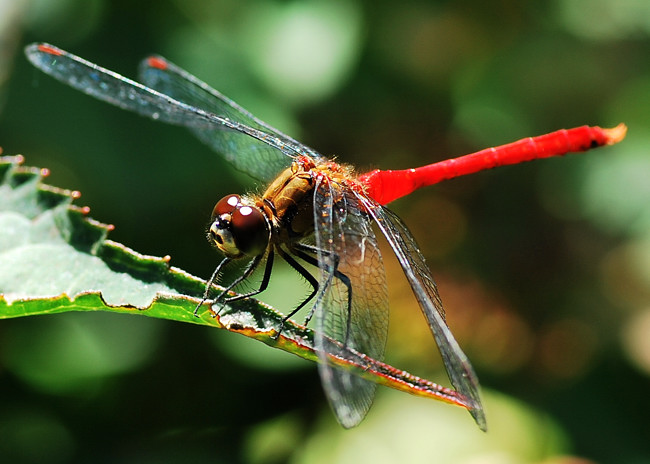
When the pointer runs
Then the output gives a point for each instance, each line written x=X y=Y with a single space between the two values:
x=238 y=227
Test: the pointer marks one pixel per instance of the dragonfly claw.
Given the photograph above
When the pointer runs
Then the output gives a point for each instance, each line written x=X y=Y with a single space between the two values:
x=278 y=331
x=196 y=309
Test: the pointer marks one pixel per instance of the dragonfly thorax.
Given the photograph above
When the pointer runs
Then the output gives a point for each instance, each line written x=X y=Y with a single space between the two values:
x=238 y=227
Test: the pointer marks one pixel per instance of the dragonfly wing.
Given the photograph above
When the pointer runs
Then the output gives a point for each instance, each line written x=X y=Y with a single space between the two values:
x=458 y=367
x=162 y=75
x=256 y=146
x=349 y=258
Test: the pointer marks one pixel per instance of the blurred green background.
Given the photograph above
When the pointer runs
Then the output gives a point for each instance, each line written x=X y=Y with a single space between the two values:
x=544 y=268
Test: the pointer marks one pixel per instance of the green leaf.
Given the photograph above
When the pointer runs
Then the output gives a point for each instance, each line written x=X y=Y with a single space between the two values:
x=54 y=259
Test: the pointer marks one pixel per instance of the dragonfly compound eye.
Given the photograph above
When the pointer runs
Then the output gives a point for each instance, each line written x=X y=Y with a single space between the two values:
x=226 y=205
x=238 y=229
x=250 y=230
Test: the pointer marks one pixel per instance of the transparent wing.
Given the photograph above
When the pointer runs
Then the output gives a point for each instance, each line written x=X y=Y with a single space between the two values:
x=458 y=367
x=263 y=154
x=349 y=260
x=159 y=74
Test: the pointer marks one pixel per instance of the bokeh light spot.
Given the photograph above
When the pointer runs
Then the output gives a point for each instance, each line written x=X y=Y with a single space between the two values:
x=636 y=340
x=605 y=19
x=74 y=352
x=304 y=50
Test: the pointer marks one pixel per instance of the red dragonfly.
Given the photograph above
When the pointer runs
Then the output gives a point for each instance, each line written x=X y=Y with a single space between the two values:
x=314 y=212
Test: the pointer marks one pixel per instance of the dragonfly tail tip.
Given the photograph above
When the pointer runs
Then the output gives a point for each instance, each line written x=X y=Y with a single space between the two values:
x=615 y=134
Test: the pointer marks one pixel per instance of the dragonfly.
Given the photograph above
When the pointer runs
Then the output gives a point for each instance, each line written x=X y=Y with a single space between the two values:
x=315 y=213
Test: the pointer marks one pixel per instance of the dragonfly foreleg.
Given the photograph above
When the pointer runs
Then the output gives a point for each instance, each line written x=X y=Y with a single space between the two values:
x=245 y=275
x=249 y=270
x=208 y=287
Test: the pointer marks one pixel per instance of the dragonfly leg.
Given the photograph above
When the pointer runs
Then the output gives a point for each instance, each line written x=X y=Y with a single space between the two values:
x=208 y=287
x=308 y=277
x=249 y=270
x=245 y=275
x=308 y=254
